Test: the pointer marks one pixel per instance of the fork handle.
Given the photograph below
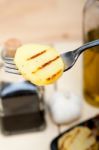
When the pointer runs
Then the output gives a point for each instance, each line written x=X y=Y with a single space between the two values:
x=86 y=46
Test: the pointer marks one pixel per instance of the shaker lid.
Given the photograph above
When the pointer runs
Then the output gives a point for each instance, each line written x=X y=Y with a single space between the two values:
x=17 y=89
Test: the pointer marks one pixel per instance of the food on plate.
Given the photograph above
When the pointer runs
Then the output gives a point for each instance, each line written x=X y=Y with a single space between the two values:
x=10 y=47
x=40 y=64
x=79 y=138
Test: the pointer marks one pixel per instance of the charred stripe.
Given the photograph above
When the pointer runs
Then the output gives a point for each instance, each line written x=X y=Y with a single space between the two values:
x=92 y=146
x=54 y=75
x=47 y=63
x=90 y=135
x=75 y=135
x=34 y=56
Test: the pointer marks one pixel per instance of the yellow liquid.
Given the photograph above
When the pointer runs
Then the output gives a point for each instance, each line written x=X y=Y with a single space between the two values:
x=91 y=69
x=91 y=76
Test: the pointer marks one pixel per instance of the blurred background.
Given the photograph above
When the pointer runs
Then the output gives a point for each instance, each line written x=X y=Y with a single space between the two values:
x=41 y=20
x=56 y=22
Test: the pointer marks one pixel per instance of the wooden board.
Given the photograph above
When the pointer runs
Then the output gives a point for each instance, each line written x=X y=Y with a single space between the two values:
x=41 y=20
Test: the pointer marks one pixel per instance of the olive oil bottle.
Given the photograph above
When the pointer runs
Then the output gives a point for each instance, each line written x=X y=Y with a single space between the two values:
x=91 y=57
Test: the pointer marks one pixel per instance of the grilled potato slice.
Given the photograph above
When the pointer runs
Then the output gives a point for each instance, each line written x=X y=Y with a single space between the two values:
x=40 y=64
x=80 y=138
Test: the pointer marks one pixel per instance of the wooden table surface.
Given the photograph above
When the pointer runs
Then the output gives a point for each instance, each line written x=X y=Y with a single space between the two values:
x=41 y=140
x=41 y=20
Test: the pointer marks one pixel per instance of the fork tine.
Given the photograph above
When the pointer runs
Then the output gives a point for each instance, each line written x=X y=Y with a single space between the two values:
x=7 y=58
x=13 y=71
x=9 y=64
x=10 y=67
x=9 y=61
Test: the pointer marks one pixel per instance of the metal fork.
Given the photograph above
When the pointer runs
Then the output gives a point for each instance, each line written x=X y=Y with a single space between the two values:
x=69 y=58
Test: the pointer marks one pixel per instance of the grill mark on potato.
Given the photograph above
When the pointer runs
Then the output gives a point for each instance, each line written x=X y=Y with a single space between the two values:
x=72 y=139
x=34 y=56
x=89 y=135
x=46 y=64
x=67 y=137
x=91 y=147
x=54 y=75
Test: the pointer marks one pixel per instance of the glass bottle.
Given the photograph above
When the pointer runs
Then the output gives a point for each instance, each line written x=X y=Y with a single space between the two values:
x=91 y=57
